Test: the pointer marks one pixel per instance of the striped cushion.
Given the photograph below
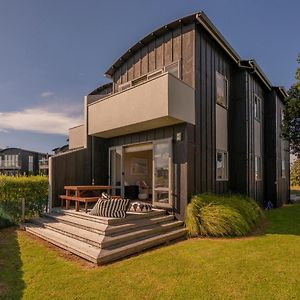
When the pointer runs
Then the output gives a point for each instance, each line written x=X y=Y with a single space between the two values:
x=139 y=206
x=111 y=208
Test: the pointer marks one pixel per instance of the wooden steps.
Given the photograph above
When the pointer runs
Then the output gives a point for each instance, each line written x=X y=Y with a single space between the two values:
x=102 y=240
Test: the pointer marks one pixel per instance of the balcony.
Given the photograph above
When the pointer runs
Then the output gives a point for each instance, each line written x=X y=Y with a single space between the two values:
x=44 y=163
x=5 y=165
x=161 y=101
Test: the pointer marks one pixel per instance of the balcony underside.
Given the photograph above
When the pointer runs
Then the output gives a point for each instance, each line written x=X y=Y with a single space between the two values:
x=138 y=127
x=159 y=102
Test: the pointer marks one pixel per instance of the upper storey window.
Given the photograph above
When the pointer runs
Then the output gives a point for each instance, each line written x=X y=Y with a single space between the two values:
x=257 y=108
x=221 y=90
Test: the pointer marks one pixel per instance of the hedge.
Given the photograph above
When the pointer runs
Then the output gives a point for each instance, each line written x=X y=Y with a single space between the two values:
x=34 y=189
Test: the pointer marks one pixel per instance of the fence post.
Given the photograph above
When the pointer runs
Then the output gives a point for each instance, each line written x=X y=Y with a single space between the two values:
x=23 y=209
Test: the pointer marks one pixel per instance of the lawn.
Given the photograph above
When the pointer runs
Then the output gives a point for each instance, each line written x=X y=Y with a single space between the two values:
x=266 y=266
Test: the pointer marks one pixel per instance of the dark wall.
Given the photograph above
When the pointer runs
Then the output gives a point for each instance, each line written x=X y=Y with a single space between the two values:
x=23 y=160
x=71 y=168
x=271 y=167
x=209 y=59
x=178 y=44
x=238 y=134
x=276 y=150
x=255 y=187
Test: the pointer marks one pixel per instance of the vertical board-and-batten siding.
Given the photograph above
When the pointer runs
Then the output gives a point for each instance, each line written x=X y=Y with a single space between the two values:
x=172 y=46
x=209 y=60
x=255 y=187
x=282 y=155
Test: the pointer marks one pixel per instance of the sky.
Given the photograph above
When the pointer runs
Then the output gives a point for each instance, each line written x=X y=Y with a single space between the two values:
x=54 y=52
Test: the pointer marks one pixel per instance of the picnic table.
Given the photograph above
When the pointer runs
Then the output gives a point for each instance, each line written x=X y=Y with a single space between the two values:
x=80 y=193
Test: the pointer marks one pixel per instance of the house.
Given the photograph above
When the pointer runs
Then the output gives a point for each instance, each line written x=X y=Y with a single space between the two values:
x=14 y=161
x=185 y=114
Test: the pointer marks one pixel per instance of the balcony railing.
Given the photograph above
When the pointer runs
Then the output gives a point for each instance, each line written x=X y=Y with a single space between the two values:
x=9 y=165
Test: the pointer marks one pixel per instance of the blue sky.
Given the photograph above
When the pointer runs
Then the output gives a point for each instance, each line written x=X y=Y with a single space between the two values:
x=52 y=53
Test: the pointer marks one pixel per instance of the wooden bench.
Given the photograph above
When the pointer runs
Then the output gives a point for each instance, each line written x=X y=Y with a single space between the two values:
x=85 y=200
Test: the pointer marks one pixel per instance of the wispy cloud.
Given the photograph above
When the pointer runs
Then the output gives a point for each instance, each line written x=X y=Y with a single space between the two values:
x=47 y=94
x=56 y=119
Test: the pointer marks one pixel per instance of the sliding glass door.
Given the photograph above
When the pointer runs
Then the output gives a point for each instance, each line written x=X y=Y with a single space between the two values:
x=116 y=170
x=162 y=173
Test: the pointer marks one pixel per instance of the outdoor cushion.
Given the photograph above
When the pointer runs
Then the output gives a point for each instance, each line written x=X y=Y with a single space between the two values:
x=110 y=208
x=139 y=206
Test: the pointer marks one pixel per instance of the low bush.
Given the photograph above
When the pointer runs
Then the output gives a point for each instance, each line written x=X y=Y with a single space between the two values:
x=222 y=215
x=34 y=189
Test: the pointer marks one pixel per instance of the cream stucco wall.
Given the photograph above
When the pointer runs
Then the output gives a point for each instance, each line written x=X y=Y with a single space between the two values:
x=77 y=137
x=162 y=101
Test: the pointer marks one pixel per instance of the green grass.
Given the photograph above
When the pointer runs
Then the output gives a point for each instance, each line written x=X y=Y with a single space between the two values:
x=266 y=266
x=222 y=215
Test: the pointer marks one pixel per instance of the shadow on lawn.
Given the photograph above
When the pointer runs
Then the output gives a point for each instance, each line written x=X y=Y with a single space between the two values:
x=11 y=282
x=285 y=220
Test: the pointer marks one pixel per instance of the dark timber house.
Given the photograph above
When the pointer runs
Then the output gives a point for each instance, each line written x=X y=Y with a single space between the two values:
x=14 y=161
x=184 y=113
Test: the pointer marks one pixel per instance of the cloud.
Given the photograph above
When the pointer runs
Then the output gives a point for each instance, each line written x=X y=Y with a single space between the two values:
x=3 y=130
x=54 y=120
x=47 y=94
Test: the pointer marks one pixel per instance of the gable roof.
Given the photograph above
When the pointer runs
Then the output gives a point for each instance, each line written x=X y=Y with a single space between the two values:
x=198 y=17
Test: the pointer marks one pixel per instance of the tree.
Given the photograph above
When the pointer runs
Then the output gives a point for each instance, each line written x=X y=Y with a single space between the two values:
x=295 y=173
x=291 y=122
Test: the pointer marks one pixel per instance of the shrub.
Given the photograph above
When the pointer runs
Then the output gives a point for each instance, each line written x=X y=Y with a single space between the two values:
x=295 y=173
x=34 y=189
x=222 y=215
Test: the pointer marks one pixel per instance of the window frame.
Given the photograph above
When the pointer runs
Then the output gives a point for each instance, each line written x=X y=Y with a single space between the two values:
x=258 y=171
x=225 y=80
x=30 y=163
x=283 y=169
x=226 y=164
x=259 y=117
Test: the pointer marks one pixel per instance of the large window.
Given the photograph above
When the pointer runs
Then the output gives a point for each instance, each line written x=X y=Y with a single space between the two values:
x=257 y=107
x=221 y=90
x=257 y=168
x=30 y=163
x=11 y=161
x=222 y=165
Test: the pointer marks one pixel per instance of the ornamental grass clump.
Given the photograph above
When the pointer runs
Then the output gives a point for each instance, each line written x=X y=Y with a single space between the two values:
x=222 y=215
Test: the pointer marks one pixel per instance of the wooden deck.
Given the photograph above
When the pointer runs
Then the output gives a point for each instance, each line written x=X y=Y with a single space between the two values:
x=102 y=240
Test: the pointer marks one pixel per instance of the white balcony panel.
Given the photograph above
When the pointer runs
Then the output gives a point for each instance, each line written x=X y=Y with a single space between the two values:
x=159 y=102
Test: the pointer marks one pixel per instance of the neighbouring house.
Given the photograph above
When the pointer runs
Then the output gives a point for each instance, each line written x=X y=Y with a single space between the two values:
x=185 y=114
x=61 y=149
x=14 y=161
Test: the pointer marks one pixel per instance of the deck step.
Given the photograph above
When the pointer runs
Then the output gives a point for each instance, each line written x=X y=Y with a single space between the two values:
x=110 y=221
x=86 y=236
x=109 y=255
x=77 y=247
x=143 y=232
x=101 y=242
x=78 y=222
x=107 y=229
